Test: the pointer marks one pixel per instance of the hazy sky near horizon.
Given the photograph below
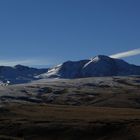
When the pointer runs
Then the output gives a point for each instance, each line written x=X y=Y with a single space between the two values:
x=48 y=32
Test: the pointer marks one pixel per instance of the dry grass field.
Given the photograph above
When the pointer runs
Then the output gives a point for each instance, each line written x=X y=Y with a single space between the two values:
x=59 y=122
x=86 y=109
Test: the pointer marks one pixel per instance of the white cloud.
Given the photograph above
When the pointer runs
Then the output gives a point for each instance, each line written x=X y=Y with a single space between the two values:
x=22 y=62
x=126 y=54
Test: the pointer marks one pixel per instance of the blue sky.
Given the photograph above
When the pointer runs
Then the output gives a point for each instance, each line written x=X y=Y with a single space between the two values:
x=48 y=32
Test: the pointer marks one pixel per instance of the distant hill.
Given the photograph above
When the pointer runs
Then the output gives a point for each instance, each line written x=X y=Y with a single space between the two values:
x=19 y=74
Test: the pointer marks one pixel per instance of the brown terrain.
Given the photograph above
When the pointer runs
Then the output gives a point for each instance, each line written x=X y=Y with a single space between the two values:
x=86 y=109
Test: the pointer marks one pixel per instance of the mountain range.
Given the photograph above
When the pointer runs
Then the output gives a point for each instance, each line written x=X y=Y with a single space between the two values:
x=99 y=66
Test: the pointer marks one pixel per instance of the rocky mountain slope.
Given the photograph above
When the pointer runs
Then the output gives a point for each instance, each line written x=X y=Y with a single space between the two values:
x=98 y=66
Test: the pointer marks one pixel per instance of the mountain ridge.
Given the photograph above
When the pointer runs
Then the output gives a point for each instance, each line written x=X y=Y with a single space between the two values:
x=98 y=66
x=19 y=74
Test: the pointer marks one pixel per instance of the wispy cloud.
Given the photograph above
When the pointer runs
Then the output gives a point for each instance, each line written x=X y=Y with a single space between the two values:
x=15 y=62
x=126 y=54
x=22 y=62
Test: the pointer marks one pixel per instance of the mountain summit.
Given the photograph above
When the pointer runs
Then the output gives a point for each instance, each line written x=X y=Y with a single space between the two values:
x=98 y=66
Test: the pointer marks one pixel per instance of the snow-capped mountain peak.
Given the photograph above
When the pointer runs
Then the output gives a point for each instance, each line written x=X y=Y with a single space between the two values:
x=100 y=65
x=96 y=59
